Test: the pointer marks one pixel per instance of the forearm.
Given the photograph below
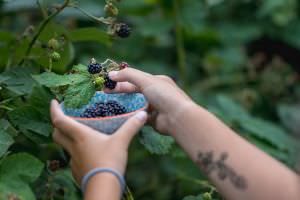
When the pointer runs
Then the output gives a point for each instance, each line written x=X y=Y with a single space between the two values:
x=237 y=168
x=103 y=186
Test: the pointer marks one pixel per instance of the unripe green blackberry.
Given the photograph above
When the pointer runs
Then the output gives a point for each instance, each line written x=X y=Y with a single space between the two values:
x=99 y=82
x=55 y=56
x=53 y=44
x=207 y=196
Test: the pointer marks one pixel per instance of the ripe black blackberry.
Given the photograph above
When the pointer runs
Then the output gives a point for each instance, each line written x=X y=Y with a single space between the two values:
x=89 y=113
x=110 y=84
x=94 y=68
x=123 y=31
x=101 y=109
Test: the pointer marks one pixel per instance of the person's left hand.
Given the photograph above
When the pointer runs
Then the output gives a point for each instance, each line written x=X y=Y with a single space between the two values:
x=89 y=148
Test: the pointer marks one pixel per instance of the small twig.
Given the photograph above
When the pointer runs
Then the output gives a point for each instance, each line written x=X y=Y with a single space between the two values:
x=181 y=56
x=50 y=64
x=44 y=13
x=103 y=20
x=42 y=27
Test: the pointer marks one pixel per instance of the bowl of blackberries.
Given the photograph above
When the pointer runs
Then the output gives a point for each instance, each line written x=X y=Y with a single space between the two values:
x=107 y=112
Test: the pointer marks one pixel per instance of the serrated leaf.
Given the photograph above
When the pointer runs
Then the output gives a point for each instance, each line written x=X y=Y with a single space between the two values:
x=268 y=131
x=80 y=68
x=40 y=99
x=16 y=172
x=5 y=141
x=51 y=79
x=29 y=118
x=20 y=81
x=154 y=142
x=79 y=94
x=6 y=125
x=290 y=117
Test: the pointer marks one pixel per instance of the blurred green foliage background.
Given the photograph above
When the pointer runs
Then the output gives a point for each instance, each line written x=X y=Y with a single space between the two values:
x=240 y=59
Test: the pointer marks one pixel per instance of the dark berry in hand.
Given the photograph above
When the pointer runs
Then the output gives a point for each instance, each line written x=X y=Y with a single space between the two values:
x=110 y=84
x=94 y=67
x=123 y=65
x=123 y=31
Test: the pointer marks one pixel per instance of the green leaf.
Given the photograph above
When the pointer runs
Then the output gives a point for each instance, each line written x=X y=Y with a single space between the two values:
x=289 y=116
x=20 y=81
x=40 y=99
x=154 y=142
x=29 y=118
x=80 y=68
x=79 y=94
x=89 y=34
x=267 y=131
x=227 y=108
x=5 y=141
x=50 y=79
x=16 y=172
x=199 y=197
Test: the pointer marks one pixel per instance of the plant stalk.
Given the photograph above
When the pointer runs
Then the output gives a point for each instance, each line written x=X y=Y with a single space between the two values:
x=181 y=55
x=41 y=28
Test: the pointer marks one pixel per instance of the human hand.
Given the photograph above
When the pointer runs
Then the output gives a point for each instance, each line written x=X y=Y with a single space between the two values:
x=91 y=149
x=166 y=99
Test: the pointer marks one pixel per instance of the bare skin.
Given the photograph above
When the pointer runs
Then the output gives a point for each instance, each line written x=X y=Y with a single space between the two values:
x=237 y=168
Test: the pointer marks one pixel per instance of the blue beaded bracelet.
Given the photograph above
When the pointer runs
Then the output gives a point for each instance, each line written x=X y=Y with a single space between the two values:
x=95 y=171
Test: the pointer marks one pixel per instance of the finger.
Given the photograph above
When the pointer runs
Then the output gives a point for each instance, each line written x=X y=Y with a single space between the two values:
x=62 y=140
x=66 y=125
x=166 y=78
x=131 y=127
x=134 y=76
x=123 y=87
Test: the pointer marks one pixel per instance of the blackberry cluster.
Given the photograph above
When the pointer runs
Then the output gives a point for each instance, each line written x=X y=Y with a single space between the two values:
x=110 y=84
x=94 y=68
x=124 y=31
x=101 y=109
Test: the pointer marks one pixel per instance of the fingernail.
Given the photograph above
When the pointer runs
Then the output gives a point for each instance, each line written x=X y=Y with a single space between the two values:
x=142 y=116
x=113 y=74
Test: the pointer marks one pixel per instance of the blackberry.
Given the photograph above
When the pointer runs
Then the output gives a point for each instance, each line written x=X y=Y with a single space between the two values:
x=110 y=84
x=123 y=31
x=94 y=67
x=89 y=113
x=123 y=65
x=101 y=109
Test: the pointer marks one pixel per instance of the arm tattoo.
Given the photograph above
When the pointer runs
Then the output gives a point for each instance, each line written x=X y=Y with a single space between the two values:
x=208 y=165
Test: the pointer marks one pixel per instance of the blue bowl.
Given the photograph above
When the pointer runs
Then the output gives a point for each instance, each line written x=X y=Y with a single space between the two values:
x=133 y=102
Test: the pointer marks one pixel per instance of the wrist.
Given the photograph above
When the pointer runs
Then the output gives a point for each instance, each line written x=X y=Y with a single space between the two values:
x=103 y=186
x=176 y=116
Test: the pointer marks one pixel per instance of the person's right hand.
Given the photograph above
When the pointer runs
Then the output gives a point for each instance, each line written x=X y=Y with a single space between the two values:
x=166 y=99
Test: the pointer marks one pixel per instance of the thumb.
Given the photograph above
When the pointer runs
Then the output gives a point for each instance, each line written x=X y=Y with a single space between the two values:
x=129 y=129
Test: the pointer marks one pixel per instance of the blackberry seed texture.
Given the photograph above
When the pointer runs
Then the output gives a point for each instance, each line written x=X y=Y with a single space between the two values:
x=110 y=84
x=123 y=31
x=94 y=68
x=101 y=109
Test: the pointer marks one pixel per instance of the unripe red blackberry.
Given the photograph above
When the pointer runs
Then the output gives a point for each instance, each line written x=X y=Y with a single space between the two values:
x=123 y=65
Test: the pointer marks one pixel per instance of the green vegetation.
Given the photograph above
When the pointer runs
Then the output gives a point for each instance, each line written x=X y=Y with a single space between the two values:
x=239 y=59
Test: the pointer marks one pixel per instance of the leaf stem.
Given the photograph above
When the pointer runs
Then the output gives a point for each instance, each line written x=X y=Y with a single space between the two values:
x=41 y=28
x=181 y=55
